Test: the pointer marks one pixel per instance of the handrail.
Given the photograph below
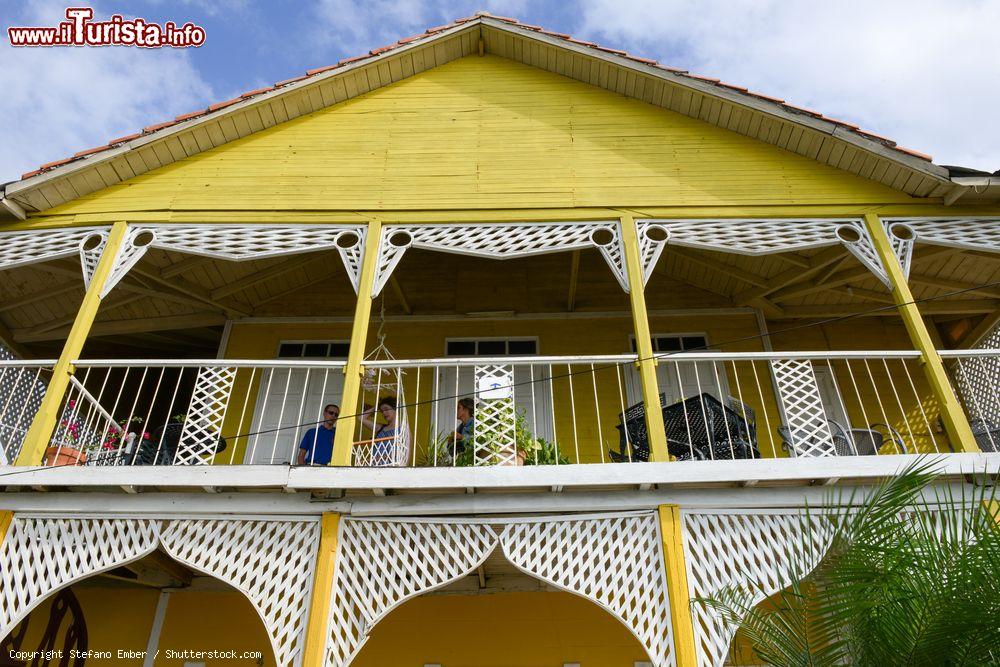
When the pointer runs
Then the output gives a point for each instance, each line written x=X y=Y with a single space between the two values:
x=191 y=363
x=956 y=354
x=27 y=363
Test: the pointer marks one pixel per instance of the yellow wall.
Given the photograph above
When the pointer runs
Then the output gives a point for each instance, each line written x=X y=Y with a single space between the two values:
x=486 y=133
x=120 y=617
x=500 y=630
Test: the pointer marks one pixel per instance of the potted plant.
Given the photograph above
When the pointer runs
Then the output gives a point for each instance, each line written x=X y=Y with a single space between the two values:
x=66 y=448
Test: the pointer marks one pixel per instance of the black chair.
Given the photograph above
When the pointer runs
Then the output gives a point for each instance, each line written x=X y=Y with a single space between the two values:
x=699 y=427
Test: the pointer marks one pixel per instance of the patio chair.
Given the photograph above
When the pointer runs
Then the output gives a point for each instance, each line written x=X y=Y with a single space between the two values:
x=846 y=442
x=699 y=427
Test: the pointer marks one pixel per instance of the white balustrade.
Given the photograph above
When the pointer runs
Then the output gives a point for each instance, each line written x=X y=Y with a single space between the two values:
x=975 y=376
x=22 y=387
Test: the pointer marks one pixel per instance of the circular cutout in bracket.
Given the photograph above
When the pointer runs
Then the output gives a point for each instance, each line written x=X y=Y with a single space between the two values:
x=348 y=240
x=400 y=239
x=657 y=233
x=143 y=238
x=902 y=231
x=849 y=234
x=92 y=241
x=602 y=237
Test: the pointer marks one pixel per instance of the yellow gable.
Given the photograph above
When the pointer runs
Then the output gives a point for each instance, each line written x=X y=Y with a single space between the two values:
x=485 y=132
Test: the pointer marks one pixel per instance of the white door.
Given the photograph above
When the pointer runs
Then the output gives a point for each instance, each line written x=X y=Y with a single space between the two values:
x=682 y=379
x=833 y=406
x=290 y=402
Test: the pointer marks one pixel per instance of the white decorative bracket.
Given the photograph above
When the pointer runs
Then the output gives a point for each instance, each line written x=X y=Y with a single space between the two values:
x=653 y=239
x=500 y=241
x=91 y=248
x=134 y=246
x=854 y=236
x=750 y=236
x=239 y=243
x=42 y=245
x=965 y=233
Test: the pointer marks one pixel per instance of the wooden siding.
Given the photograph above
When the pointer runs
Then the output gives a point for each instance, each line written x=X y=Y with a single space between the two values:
x=485 y=132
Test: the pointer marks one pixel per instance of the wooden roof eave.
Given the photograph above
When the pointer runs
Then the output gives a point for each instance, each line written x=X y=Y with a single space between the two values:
x=916 y=176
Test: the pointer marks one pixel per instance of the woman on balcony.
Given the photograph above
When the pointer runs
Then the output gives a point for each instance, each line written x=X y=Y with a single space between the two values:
x=390 y=441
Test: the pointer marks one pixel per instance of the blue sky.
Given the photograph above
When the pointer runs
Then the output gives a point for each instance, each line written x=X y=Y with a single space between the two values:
x=924 y=72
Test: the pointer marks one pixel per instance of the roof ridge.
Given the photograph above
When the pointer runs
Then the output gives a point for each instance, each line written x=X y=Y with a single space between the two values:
x=478 y=16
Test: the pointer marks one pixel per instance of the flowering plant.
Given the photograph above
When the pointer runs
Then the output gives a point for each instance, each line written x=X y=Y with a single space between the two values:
x=115 y=434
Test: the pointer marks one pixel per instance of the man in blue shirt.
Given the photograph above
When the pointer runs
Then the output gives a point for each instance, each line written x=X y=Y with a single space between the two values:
x=316 y=447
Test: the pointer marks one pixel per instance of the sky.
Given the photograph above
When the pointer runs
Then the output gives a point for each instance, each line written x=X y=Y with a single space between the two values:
x=923 y=72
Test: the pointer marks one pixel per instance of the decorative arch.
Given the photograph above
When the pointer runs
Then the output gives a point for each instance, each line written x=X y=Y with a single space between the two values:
x=615 y=561
x=737 y=548
x=272 y=562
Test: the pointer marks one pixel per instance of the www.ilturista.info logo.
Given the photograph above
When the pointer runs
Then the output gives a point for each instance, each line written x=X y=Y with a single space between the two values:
x=80 y=30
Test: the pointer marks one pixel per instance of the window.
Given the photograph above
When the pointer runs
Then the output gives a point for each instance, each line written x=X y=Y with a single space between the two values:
x=492 y=347
x=677 y=343
x=313 y=349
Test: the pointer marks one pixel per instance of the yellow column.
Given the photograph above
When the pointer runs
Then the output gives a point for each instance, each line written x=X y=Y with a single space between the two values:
x=672 y=534
x=6 y=518
x=44 y=423
x=316 y=631
x=955 y=423
x=347 y=425
x=643 y=342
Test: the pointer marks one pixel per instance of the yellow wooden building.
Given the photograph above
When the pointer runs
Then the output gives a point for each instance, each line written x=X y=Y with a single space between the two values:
x=662 y=312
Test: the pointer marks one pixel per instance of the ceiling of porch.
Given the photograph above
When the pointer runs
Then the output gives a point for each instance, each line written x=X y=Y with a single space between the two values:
x=174 y=305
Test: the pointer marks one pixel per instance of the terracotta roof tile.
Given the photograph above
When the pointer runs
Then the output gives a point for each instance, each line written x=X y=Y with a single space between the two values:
x=436 y=29
x=223 y=105
x=127 y=137
x=292 y=80
x=57 y=163
x=90 y=151
x=158 y=126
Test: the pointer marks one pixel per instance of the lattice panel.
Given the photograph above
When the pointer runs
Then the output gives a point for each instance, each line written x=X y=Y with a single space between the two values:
x=21 y=392
x=751 y=236
x=495 y=436
x=499 y=241
x=649 y=249
x=203 y=423
x=271 y=562
x=132 y=250
x=247 y=242
x=979 y=384
x=22 y=248
x=802 y=407
x=41 y=556
x=381 y=564
x=616 y=562
x=864 y=250
x=733 y=549
x=89 y=257
x=966 y=233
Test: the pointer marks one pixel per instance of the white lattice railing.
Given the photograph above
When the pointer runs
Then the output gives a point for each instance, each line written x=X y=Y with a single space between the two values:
x=975 y=375
x=22 y=387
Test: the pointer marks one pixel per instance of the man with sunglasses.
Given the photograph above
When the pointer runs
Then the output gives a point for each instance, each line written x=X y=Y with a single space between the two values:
x=317 y=444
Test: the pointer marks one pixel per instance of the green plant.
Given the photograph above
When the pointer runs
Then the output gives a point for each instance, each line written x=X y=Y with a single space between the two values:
x=898 y=585
x=535 y=451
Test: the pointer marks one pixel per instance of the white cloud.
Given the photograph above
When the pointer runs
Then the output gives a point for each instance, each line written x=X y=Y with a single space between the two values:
x=58 y=101
x=924 y=73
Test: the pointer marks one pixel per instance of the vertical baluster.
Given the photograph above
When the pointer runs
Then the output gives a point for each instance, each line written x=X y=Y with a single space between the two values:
x=743 y=407
x=684 y=410
x=621 y=400
x=859 y=397
x=266 y=395
x=723 y=399
x=709 y=439
x=843 y=408
x=597 y=411
x=241 y=428
x=763 y=408
x=552 y=408
x=296 y=439
x=920 y=405
x=281 y=416
x=878 y=398
x=572 y=407
x=435 y=413
x=899 y=403
x=534 y=415
x=416 y=419
x=166 y=421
